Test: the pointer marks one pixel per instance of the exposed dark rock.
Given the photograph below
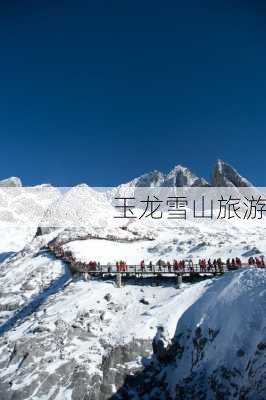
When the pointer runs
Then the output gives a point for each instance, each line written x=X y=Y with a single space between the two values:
x=144 y=301
x=108 y=297
x=226 y=176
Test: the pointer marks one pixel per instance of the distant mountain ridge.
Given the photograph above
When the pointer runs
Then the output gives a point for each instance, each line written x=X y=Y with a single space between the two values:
x=222 y=175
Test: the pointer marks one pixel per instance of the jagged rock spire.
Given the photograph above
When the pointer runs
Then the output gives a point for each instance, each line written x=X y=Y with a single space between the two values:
x=224 y=175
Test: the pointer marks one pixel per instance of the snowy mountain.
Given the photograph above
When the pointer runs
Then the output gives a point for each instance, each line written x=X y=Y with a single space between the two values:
x=151 y=179
x=11 y=182
x=21 y=210
x=218 y=350
x=225 y=175
x=179 y=176
x=65 y=338
x=79 y=207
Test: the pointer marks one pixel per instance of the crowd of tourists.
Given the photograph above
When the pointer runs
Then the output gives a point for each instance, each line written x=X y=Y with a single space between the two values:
x=203 y=265
x=256 y=262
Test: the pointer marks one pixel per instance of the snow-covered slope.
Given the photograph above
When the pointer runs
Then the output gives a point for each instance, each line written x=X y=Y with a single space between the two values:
x=219 y=347
x=11 y=182
x=187 y=240
x=78 y=207
x=81 y=341
x=21 y=209
x=150 y=179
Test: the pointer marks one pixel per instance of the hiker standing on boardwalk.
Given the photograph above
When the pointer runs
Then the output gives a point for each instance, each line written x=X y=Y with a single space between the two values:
x=169 y=266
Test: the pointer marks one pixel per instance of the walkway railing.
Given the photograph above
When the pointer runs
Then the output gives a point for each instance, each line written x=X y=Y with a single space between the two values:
x=137 y=270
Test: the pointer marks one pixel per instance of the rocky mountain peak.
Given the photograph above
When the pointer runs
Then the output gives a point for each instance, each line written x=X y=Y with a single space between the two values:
x=224 y=175
x=182 y=176
x=150 y=179
x=179 y=176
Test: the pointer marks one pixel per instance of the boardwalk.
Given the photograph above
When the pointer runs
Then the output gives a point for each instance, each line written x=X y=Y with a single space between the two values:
x=97 y=270
x=185 y=268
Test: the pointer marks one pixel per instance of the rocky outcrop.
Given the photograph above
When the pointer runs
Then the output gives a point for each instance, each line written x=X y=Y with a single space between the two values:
x=161 y=344
x=119 y=363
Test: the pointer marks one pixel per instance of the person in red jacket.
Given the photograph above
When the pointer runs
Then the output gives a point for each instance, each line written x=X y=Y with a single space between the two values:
x=258 y=262
x=238 y=262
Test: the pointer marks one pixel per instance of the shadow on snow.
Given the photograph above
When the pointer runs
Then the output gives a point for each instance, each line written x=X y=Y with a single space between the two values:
x=6 y=255
x=37 y=301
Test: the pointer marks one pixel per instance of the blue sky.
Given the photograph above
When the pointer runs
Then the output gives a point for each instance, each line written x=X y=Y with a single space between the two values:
x=101 y=92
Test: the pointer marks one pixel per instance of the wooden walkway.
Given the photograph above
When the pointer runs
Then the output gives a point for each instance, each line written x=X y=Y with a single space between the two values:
x=188 y=271
x=76 y=266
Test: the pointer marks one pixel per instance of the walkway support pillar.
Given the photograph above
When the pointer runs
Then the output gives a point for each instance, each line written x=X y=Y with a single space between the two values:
x=86 y=276
x=119 y=280
x=179 y=281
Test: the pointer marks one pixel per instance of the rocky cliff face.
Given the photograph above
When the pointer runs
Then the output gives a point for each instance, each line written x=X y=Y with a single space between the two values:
x=224 y=175
x=181 y=176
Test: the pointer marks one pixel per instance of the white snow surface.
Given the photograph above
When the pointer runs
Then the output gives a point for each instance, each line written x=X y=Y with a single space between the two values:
x=103 y=324
x=187 y=239
x=230 y=319
x=21 y=210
